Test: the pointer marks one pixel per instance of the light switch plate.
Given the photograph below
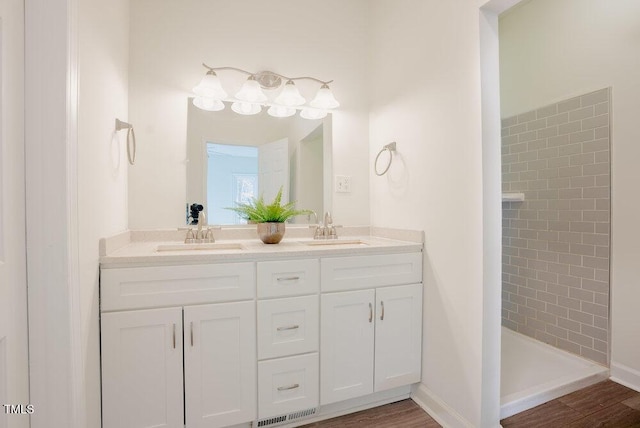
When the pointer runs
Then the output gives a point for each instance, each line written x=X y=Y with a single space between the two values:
x=343 y=184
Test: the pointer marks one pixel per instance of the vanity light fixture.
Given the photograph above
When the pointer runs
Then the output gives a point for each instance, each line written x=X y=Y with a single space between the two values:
x=209 y=95
x=210 y=87
x=281 y=111
x=245 y=108
x=324 y=99
x=313 y=113
x=209 y=104
x=290 y=96
x=251 y=91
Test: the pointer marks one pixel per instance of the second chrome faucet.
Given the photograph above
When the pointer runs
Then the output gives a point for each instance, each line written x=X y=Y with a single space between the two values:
x=202 y=235
x=326 y=230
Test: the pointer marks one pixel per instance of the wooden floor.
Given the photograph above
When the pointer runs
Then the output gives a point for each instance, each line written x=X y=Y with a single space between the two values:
x=403 y=414
x=605 y=404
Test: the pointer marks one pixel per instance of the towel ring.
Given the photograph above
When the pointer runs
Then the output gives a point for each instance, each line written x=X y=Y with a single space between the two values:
x=391 y=147
x=131 y=139
x=131 y=133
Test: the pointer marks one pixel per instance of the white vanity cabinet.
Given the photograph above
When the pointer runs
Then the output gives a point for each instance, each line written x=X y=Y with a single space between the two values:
x=371 y=339
x=258 y=342
x=145 y=381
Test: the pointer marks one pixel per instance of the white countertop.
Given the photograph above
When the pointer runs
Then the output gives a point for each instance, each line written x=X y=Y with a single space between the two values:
x=139 y=248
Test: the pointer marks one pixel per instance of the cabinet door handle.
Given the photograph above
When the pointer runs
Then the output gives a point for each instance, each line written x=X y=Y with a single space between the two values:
x=286 y=388
x=370 y=312
x=382 y=312
x=291 y=327
x=174 y=336
x=191 y=333
x=288 y=278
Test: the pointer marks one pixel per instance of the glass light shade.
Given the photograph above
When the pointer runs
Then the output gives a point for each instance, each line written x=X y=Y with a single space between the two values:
x=210 y=87
x=290 y=96
x=251 y=92
x=247 y=109
x=281 y=111
x=313 y=113
x=209 y=104
x=324 y=99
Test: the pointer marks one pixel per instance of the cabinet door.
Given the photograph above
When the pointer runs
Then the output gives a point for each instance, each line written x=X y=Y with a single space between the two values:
x=142 y=369
x=220 y=364
x=346 y=345
x=398 y=336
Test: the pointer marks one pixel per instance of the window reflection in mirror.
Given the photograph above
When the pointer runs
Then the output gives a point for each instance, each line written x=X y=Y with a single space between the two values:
x=234 y=158
x=235 y=170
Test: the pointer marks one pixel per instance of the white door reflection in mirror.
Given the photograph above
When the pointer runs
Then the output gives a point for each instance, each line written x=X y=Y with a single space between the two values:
x=273 y=169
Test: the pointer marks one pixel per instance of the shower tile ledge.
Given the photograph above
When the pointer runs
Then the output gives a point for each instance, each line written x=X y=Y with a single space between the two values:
x=534 y=386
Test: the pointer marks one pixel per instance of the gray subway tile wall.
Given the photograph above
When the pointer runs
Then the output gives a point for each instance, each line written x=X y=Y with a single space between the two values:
x=555 y=279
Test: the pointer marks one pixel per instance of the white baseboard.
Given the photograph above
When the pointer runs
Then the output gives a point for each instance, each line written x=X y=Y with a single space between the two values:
x=625 y=375
x=437 y=409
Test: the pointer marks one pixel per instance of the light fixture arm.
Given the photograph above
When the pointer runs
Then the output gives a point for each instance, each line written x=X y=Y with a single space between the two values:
x=227 y=68
x=266 y=78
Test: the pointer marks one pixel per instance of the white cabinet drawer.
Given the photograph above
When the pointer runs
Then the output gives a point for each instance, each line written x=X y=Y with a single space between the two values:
x=287 y=385
x=351 y=273
x=288 y=278
x=287 y=326
x=148 y=287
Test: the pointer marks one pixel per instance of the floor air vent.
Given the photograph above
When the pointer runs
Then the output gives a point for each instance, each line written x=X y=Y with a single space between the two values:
x=272 y=421
x=301 y=414
x=278 y=420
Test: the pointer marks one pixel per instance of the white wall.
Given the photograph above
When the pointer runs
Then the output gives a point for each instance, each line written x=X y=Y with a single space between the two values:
x=14 y=356
x=426 y=96
x=554 y=50
x=169 y=41
x=102 y=168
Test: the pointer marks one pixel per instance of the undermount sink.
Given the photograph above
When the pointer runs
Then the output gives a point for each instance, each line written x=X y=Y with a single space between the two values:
x=210 y=246
x=334 y=242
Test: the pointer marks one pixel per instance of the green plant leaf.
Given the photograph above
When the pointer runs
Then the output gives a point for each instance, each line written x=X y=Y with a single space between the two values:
x=260 y=212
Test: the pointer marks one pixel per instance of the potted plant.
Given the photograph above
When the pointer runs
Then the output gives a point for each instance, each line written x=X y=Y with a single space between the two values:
x=270 y=218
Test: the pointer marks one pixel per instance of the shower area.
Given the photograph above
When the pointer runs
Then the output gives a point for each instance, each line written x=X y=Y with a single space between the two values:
x=556 y=236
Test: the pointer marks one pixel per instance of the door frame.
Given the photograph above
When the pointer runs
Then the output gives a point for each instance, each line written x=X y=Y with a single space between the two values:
x=51 y=117
x=489 y=11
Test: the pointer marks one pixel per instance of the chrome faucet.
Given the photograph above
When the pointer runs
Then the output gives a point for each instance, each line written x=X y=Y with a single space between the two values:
x=327 y=230
x=202 y=221
x=208 y=237
x=190 y=238
x=203 y=234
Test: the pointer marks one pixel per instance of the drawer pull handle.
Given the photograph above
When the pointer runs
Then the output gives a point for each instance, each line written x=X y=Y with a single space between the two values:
x=370 y=312
x=291 y=327
x=288 y=278
x=286 y=388
x=191 y=333
x=174 y=336
x=382 y=314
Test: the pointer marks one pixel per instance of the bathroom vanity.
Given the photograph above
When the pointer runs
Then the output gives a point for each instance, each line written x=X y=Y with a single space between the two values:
x=247 y=334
